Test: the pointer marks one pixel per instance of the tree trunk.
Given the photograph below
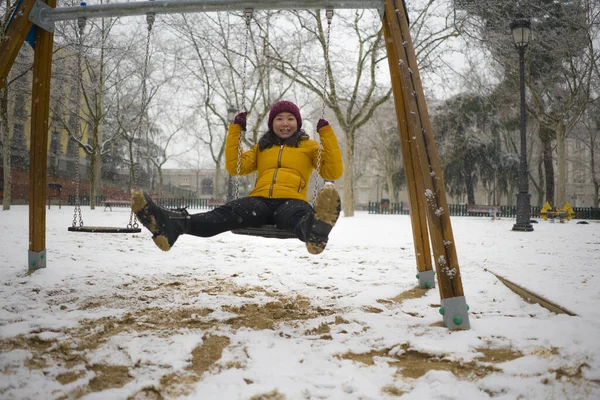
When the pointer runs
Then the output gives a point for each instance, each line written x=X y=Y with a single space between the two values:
x=160 y=180
x=549 y=170
x=594 y=179
x=98 y=145
x=92 y=175
x=470 y=190
x=561 y=181
x=6 y=149
x=96 y=158
x=540 y=188
x=98 y=173
x=217 y=185
x=132 y=177
x=391 y=191
x=348 y=195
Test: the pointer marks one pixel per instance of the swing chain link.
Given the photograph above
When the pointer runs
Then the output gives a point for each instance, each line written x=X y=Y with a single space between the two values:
x=238 y=168
x=77 y=211
x=329 y=15
x=248 y=12
x=150 y=18
x=317 y=174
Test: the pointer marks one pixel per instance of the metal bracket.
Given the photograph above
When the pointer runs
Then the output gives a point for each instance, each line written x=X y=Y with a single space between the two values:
x=37 y=260
x=248 y=12
x=456 y=313
x=381 y=10
x=329 y=14
x=426 y=279
x=35 y=16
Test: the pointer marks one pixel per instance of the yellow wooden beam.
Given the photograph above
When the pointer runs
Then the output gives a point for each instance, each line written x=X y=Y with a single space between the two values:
x=410 y=104
x=13 y=39
x=38 y=150
x=414 y=182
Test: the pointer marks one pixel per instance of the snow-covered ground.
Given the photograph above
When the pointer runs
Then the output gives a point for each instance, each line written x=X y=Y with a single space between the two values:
x=238 y=317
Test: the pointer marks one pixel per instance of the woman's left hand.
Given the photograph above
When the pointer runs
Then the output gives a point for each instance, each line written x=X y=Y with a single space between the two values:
x=240 y=119
x=322 y=122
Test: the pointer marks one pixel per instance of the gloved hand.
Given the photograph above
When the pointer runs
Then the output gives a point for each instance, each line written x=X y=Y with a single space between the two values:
x=322 y=123
x=240 y=119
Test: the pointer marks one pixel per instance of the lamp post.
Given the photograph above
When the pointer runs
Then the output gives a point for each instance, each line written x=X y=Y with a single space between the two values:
x=231 y=111
x=521 y=34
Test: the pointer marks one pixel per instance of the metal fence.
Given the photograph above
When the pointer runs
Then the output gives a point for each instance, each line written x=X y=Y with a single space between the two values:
x=402 y=208
x=461 y=210
x=197 y=204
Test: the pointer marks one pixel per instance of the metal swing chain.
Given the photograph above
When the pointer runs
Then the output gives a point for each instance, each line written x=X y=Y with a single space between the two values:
x=77 y=211
x=150 y=18
x=248 y=15
x=329 y=15
x=248 y=12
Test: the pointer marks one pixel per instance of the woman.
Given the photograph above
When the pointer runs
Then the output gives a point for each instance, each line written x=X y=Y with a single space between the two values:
x=284 y=158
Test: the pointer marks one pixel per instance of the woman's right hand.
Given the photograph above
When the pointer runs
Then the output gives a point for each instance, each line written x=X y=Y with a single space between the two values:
x=240 y=119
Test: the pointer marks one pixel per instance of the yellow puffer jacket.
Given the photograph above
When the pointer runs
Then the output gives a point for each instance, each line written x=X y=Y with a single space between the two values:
x=284 y=171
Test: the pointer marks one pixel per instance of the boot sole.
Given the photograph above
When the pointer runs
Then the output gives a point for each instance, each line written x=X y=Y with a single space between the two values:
x=139 y=205
x=327 y=212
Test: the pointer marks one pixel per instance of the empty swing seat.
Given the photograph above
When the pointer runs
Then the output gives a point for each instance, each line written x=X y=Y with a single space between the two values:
x=104 y=229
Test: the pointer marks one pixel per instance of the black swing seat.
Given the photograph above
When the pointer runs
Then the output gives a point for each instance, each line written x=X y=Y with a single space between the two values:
x=104 y=229
x=266 y=231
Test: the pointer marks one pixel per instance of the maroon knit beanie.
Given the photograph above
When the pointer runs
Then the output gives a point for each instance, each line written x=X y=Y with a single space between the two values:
x=283 y=106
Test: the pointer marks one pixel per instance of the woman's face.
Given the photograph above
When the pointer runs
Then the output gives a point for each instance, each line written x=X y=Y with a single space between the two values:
x=285 y=125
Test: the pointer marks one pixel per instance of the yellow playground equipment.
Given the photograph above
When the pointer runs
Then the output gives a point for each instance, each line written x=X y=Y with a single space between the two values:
x=562 y=214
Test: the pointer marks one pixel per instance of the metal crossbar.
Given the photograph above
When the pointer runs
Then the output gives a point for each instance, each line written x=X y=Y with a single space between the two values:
x=47 y=16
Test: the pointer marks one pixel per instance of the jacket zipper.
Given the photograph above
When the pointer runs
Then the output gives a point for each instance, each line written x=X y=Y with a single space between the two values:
x=276 y=170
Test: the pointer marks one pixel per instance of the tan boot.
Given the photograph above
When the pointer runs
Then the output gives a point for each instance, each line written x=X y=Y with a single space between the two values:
x=166 y=225
x=327 y=211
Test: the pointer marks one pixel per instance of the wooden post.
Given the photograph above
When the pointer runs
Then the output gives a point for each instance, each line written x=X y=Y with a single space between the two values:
x=411 y=110
x=414 y=183
x=13 y=39
x=38 y=148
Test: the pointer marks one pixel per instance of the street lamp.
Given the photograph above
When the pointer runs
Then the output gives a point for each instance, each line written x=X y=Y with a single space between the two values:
x=231 y=112
x=521 y=34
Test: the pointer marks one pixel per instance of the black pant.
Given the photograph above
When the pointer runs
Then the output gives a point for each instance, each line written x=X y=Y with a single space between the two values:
x=288 y=214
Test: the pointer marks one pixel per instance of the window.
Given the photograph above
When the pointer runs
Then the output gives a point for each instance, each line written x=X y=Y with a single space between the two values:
x=72 y=148
x=73 y=120
x=578 y=170
x=18 y=137
x=185 y=181
x=206 y=186
x=56 y=115
x=55 y=143
x=19 y=110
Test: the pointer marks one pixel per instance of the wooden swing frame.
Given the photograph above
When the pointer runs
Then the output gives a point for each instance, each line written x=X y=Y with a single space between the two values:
x=429 y=216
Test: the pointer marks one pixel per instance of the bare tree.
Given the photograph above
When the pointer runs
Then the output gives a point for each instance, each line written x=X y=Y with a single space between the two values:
x=91 y=72
x=560 y=64
x=589 y=137
x=6 y=9
x=223 y=73
x=383 y=140
x=4 y=130
x=356 y=86
x=160 y=144
x=352 y=93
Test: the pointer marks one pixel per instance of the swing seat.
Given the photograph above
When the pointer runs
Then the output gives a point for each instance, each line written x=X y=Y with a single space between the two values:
x=266 y=231
x=103 y=229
